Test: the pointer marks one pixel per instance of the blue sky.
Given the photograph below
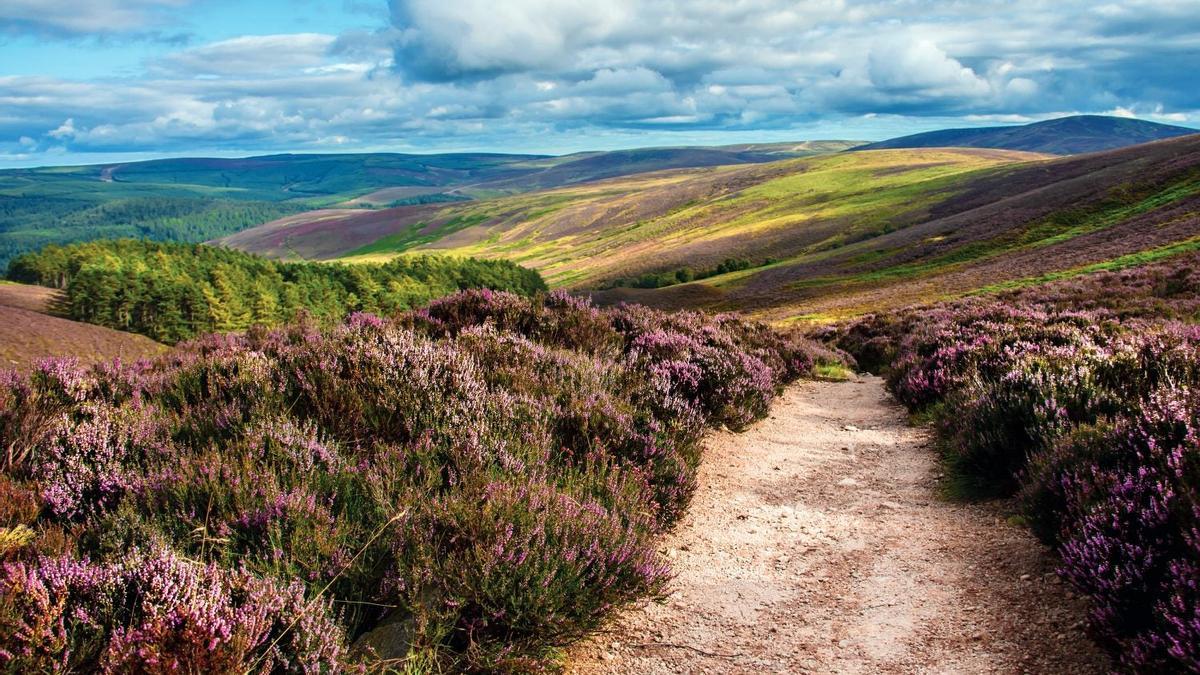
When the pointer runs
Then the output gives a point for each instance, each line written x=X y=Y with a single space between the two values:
x=109 y=80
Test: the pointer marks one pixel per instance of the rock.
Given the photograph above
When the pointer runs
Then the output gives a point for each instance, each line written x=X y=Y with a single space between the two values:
x=889 y=505
x=388 y=641
x=1026 y=577
x=847 y=482
x=850 y=427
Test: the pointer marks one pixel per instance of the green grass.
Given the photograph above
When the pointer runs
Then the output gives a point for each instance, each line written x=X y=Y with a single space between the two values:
x=412 y=236
x=1054 y=229
x=834 y=372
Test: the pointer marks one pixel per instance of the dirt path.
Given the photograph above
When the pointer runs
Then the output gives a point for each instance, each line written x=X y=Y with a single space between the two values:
x=816 y=543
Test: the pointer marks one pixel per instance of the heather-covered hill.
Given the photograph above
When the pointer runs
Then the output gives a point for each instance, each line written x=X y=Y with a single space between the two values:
x=588 y=235
x=1010 y=227
x=1062 y=136
x=466 y=488
x=1079 y=396
x=196 y=199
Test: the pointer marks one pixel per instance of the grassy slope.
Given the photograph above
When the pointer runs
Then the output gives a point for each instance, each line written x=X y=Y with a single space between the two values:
x=199 y=199
x=856 y=232
x=848 y=233
x=29 y=331
x=1017 y=227
x=582 y=236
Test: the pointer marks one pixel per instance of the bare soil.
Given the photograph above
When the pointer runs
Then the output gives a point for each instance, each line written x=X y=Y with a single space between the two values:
x=818 y=543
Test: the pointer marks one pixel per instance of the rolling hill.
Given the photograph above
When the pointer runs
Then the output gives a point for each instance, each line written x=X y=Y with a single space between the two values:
x=195 y=199
x=587 y=235
x=815 y=239
x=1005 y=229
x=1062 y=136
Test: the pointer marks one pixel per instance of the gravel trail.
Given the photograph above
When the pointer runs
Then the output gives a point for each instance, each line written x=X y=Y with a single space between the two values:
x=817 y=543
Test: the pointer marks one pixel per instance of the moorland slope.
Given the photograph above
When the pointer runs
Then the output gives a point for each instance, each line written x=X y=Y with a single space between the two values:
x=195 y=199
x=600 y=232
x=819 y=238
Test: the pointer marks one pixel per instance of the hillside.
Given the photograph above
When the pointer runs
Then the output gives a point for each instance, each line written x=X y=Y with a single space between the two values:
x=196 y=199
x=30 y=331
x=1062 y=136
x=814 y=239
x=1042 y=220
x=585 y=236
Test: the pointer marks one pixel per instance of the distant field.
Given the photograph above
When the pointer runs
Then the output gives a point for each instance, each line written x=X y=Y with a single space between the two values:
x=28 y=332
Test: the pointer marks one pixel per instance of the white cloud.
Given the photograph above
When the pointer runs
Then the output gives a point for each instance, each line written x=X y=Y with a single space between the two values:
x=85 y=17
x=251 y=55
x=908 y=66
x=64 y=130
x=521 y=72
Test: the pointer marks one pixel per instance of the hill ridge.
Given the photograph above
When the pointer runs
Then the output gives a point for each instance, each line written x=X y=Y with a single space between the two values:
x=1075 y=134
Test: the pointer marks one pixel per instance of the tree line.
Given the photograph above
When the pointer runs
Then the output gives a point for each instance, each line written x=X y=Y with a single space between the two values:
x=28 y=223
x=684 y=275
x=173 y=292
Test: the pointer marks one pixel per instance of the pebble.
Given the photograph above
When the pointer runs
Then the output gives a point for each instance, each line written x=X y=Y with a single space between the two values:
x=847 y=482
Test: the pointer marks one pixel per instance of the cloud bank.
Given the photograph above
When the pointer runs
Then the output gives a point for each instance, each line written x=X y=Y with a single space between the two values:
x=498 y=75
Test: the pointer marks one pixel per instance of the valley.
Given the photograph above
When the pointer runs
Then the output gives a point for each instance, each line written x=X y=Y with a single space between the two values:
x=817 y=239
x=194 y=199
x=833 y=408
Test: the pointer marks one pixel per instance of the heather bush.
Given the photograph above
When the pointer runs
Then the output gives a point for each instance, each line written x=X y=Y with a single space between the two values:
x=1081 y=396
x=1118 y=501
x=492 y=472
x=159 y=613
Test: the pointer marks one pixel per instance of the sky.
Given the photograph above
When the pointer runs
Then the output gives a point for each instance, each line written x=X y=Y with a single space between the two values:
x=98 y=81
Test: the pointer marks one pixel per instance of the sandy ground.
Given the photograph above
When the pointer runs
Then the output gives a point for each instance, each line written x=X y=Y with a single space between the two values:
x=817 y=544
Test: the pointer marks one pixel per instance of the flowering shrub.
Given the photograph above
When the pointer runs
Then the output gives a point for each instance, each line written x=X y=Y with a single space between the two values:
x=492 y=473
x=1082 y=397
x=158 y=613
x=1118 y=500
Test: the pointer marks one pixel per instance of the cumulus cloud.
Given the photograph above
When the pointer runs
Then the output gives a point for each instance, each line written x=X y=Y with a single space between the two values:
x=521 y=73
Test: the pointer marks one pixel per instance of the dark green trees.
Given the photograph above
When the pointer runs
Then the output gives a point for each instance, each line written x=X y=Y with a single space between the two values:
x=173 y=292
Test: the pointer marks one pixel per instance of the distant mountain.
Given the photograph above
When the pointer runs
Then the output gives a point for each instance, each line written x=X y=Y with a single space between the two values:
x=1063 y=136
